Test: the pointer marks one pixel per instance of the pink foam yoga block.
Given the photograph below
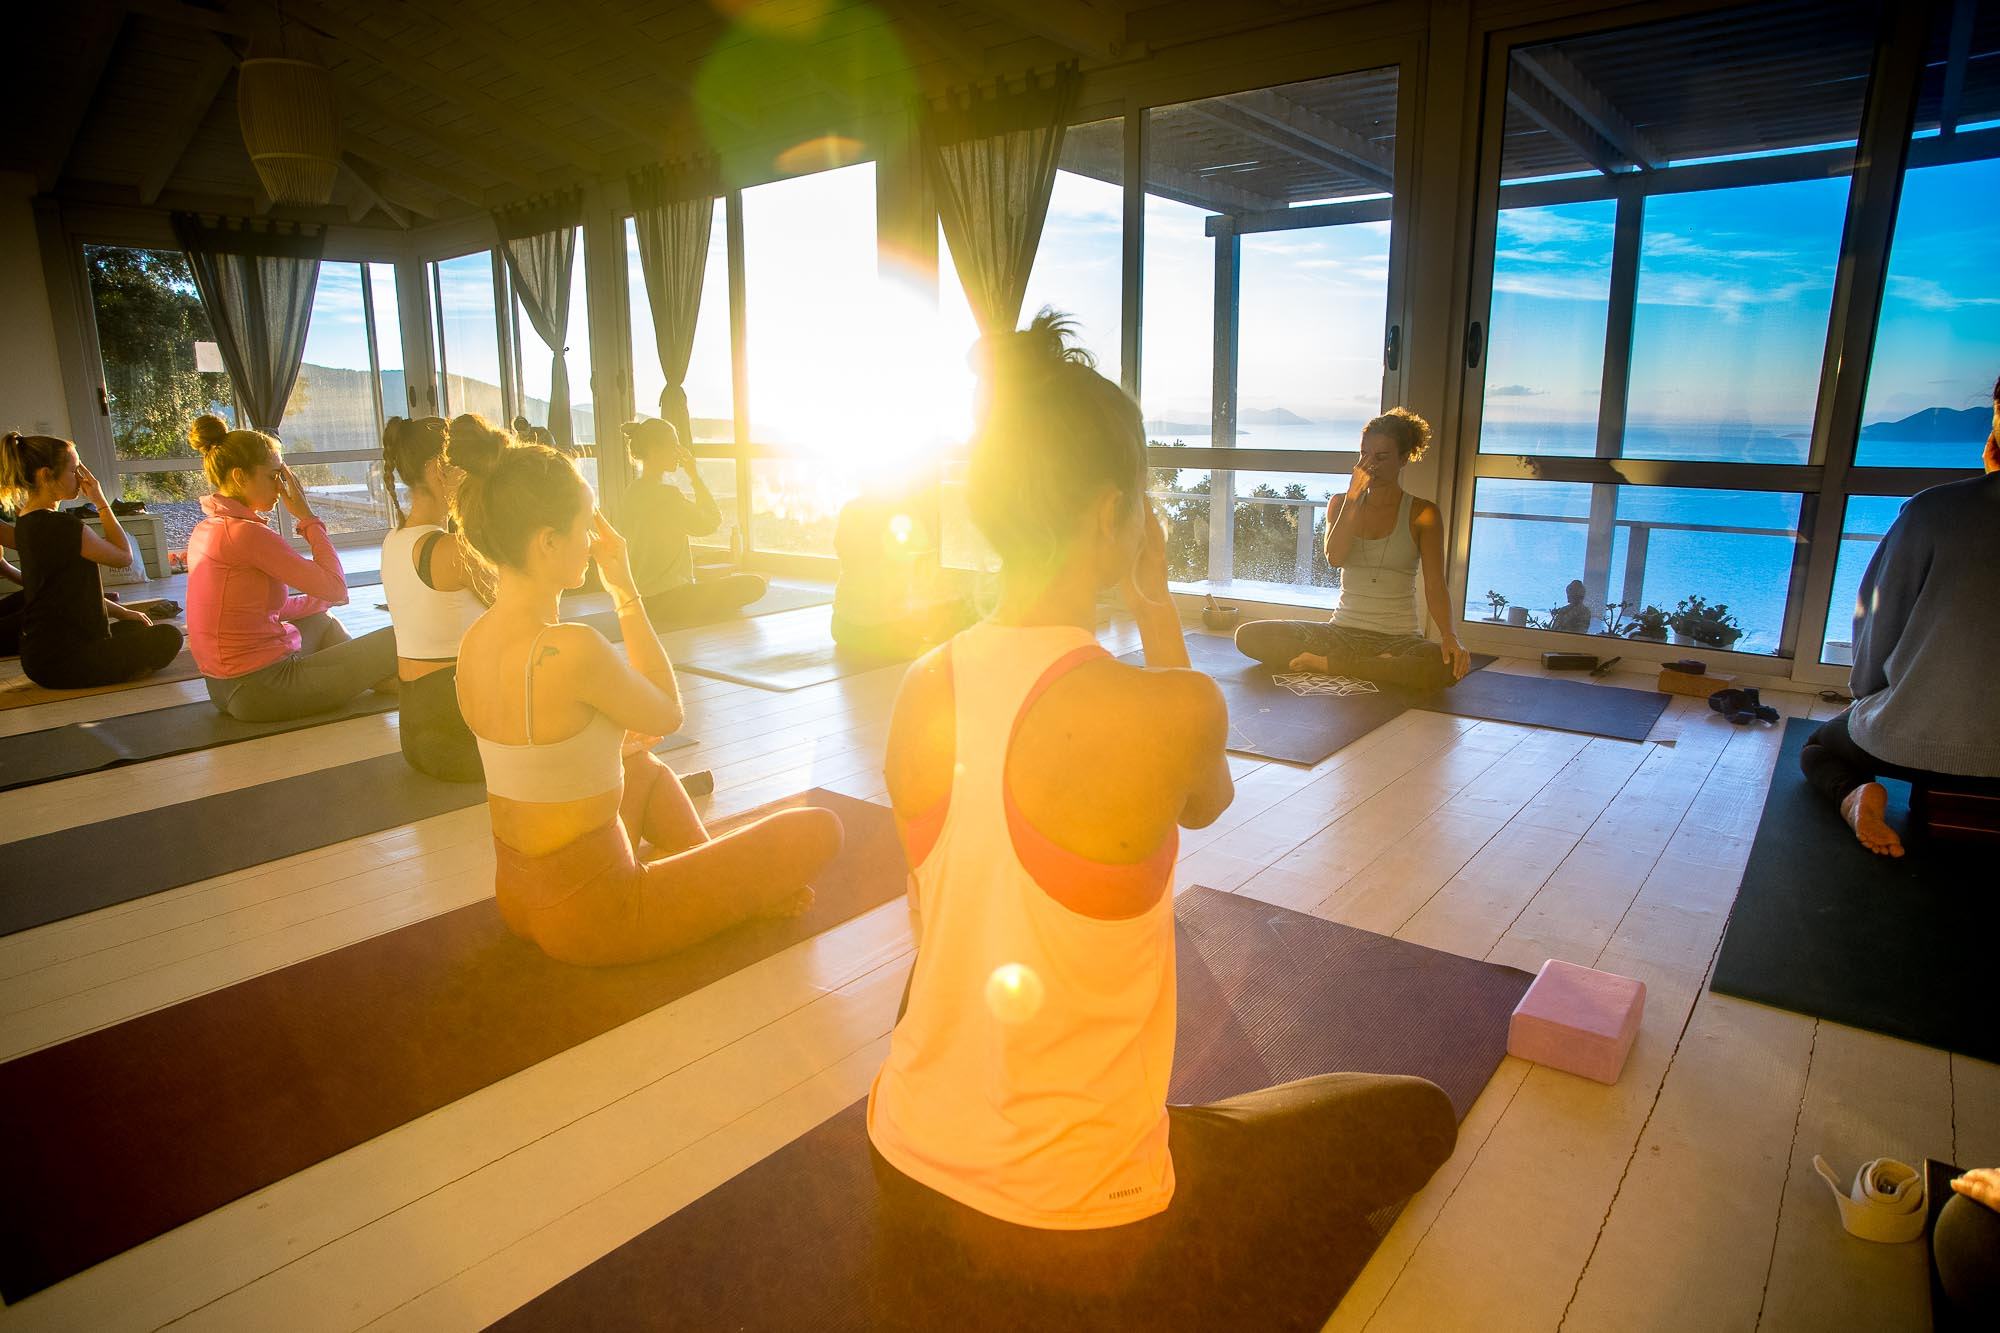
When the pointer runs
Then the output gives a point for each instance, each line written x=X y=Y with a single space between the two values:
x=1578 y=1019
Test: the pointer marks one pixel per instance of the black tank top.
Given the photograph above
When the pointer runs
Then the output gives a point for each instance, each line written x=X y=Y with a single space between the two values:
x=65 y=600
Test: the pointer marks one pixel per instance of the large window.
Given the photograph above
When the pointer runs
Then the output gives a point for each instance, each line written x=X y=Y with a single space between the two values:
x=466 y=337
x=1265 y=317
x=337 y=405
x=709 y=386
x=536 y=361
x=1665 y=255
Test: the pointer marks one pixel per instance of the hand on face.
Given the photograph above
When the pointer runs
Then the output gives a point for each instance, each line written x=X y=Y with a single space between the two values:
x=607 y=547
x=1145 y=586
x=292 y=493
x=89 y=487
x=1360 y=479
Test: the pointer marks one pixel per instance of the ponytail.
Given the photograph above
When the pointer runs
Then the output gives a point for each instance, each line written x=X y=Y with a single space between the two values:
x=23 y=458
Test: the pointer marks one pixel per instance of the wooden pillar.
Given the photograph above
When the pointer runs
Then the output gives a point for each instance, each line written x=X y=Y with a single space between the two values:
x=1222 y=403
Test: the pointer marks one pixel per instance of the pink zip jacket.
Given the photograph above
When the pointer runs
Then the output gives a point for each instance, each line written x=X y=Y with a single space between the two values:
x=239 y=612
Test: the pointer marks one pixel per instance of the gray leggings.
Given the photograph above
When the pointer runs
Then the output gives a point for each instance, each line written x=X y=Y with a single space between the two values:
x=1404 y=660
x=327 y=671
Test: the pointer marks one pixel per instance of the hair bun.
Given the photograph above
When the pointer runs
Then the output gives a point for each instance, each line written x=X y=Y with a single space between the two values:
x=1047 y=344
x=208 y=432
x=473 y=446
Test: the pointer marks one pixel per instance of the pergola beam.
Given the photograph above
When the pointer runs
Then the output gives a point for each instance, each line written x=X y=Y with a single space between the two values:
x=1092 y=30
x=355 y=40
x=217 y=62
x=1349 y=152
x=1232 y=117
x=1182 y=187
x=1588 y=103
x=1958 y=54
x=1537 y=103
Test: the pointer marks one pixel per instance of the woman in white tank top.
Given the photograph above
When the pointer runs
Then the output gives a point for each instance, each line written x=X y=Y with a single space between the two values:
x=429 y=585
x=1378 y=536
x=1040 y=785
x=564 y=725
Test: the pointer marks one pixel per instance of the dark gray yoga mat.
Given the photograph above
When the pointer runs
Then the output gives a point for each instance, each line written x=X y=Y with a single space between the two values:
x=791 y=652
x=1549 y=701
x=55 y=876
x=1825 y=927
x=86 y=747
x=799 y=1241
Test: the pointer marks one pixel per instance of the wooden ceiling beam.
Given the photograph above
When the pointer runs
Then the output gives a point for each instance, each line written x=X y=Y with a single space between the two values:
x=1306 y=149
x=62 y=119
x=368 y=194
x=387 y=158
x=1096 y=31
x=964 y=56
x=1334 y=144
x=597 y=17
x=1538 y=104
x=355 y=40
x=177 y=130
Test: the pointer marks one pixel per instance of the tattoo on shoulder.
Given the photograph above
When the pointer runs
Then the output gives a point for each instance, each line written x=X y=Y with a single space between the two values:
x=548 y=651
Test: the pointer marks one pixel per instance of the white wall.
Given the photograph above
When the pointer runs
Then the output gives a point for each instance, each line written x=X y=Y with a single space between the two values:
x=31 y=388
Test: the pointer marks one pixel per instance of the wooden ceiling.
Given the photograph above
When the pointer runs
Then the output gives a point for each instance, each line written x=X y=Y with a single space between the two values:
x=452 y=107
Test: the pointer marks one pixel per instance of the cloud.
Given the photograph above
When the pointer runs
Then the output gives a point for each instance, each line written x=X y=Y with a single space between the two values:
x=1535 y=226
x=1515 y=391
x=1928 y=294
x=1552 y=286
x=1659 y=244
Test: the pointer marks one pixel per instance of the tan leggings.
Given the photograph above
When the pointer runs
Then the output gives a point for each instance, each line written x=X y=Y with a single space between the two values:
x=595 y=903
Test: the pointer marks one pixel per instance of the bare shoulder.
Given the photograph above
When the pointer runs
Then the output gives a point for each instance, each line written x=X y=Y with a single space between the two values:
x=1179 y=711
x=922 y=734
x=1423 y=513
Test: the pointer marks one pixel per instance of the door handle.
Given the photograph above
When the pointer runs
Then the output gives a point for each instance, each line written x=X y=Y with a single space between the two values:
x=1474 y=344
x=1392 y=347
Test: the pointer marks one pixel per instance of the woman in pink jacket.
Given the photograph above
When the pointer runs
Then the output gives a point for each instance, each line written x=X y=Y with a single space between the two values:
x=269 y=653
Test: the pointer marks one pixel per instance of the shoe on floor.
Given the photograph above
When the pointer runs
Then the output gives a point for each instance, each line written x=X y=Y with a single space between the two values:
x=698 y=783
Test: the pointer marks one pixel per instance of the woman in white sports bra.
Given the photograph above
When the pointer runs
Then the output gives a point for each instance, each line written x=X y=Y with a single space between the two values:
x=1039 y=785
x=1378 y=536
x=562 y=723
x=429 y=582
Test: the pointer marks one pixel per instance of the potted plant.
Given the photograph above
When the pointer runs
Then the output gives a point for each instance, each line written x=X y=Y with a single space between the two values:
x=1648 y=622
x=1498 y=605
x=1698 y=622
x=1614 y=619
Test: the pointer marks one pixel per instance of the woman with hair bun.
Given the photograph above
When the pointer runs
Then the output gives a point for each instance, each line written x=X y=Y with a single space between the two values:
x=659 y=518
x=430 y=582
x=268 y=653
x=66 y=641
x=1040 y=785
x=562 y=721
x=1377 y=536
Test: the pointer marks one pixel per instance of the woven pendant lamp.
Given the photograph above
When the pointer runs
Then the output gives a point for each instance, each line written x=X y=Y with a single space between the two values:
x=291 y=125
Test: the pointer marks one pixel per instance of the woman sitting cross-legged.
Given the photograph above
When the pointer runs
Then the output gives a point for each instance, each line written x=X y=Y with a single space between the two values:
x=429 y=583
x=1039 y=785
x=552 y=704
x=269 y=653
x=659 y=517
x=1376 y=536
x=68 y=635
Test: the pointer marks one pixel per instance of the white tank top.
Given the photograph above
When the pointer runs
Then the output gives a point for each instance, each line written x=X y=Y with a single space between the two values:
x=1378 y=581
x=575 y=768
x=1028 y=1076
x=428 y=623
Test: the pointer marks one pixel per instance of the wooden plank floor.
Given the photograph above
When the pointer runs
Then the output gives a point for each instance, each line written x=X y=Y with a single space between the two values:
x=1682 y=1197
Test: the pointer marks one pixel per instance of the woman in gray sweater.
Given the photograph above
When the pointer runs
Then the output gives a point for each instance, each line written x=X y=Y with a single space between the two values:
x=1926 y=635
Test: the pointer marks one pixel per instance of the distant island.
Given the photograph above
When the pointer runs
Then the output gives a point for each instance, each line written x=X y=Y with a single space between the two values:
x=1934 y=425
x=1255 y=416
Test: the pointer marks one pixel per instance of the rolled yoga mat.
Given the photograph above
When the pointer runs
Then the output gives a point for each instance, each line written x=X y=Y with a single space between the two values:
x=118 y=1136
x=86 y=747
x=63 y=874
x=1823 y=926
x=802 y=1239
x=790 y=652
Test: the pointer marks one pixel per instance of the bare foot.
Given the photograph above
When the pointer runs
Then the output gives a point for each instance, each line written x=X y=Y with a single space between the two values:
x=797 y=905
x=1311 y=662
x=1863 y=810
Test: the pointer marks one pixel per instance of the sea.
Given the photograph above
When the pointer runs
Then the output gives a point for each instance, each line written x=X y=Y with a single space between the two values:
x=1530 y=563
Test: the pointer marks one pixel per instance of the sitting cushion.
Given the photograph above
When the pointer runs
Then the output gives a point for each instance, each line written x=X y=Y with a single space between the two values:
x=1578 y=1019
x=1959 y=815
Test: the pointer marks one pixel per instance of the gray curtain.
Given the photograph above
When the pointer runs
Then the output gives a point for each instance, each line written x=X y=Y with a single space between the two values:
x=673 y=214
x=256 y=287
x=539 y=244
x=993 y=162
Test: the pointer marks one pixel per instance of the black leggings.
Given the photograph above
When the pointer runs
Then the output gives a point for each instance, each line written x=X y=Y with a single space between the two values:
x=709 y=599
x=1269 y=1170
x=11 y=607
x=1835 y=764
x=131 y=650
x=435 y=738
x=1407 y=661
